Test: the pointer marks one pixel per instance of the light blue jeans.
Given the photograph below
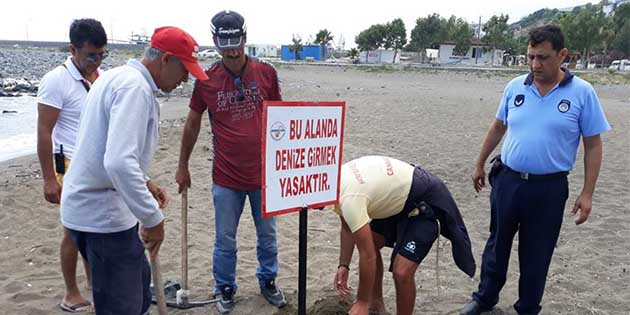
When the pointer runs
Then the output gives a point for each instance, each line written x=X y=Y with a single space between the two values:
x=228 y=207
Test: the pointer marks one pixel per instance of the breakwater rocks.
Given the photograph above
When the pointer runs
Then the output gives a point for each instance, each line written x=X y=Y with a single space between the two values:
x=22 y=67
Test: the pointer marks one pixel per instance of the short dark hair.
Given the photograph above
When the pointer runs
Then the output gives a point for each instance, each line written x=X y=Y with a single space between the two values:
x=87 y=30
x=547 y=33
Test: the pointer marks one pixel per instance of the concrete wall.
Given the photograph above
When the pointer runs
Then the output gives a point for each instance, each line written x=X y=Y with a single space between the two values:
x=475 y=55
x=379 y=56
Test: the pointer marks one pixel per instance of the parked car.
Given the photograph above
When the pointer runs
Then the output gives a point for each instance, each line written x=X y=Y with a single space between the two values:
x=208 y=53
x=621 y=65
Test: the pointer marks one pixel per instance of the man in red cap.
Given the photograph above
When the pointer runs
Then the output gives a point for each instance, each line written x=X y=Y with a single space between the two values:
x=233 y=99
x=107 y=192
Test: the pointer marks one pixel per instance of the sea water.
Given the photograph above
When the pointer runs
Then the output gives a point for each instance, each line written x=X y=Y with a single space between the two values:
x=18 y=131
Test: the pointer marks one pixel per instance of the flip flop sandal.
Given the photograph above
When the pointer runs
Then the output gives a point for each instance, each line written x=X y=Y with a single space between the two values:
x=76 y=308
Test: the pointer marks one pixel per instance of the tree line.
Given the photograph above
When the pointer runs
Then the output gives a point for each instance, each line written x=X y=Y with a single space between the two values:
x=588 y=30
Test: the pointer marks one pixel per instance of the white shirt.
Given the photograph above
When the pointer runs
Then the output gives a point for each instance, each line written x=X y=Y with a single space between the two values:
x=105 y=189
x=62 y=88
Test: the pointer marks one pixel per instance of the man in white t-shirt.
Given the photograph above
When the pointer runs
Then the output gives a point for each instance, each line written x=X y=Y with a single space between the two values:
x=387 y=202
x=60 y=99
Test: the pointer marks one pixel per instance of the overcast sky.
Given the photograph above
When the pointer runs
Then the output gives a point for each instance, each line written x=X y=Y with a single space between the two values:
x=269 y=21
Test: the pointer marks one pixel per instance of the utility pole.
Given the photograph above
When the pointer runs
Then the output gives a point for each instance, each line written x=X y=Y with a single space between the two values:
x=479 y=29
x=478 y=39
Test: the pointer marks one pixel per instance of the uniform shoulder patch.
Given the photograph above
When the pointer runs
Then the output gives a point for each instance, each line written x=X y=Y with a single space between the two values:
x=519 y=100
x=564 y=106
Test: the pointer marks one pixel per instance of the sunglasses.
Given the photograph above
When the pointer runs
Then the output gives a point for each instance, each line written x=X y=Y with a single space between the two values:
x=240 y=86
x=96 y=57
x=229 y=42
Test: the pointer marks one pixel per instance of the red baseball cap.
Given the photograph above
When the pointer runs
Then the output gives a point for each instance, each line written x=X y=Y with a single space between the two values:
x=180 y=44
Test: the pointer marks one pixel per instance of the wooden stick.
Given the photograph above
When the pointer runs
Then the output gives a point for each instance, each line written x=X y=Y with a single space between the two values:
x=158 y=284
x=185 y=239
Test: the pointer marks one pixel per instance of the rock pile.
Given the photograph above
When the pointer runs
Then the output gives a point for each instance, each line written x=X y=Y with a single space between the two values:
x=21 y=68
x=18 y=87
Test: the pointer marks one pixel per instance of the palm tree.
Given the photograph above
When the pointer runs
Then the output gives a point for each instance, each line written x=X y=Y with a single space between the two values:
x=322 y=38
x=296 y=47
x=354 y=55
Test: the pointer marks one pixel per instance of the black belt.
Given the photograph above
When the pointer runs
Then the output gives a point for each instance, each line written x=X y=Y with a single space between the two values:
x=529 y=176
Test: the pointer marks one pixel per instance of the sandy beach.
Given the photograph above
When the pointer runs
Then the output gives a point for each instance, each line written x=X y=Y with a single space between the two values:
x=435 y=119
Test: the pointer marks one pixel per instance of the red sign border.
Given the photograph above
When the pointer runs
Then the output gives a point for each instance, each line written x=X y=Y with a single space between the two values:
x=267 y=104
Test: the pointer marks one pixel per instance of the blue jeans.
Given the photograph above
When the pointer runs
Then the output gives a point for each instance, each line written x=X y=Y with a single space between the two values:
x=120 y=271
x=228 y=207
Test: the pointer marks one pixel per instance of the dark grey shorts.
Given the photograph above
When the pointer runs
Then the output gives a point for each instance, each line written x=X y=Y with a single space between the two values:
x=412 y=236
x=412 y=239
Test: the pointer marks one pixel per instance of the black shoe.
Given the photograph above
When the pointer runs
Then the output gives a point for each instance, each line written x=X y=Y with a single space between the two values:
x=226 y=300
x=273 y=294
x=472 y=308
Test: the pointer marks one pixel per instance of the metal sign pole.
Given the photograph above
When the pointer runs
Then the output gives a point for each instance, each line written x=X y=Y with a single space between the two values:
x=302 y=262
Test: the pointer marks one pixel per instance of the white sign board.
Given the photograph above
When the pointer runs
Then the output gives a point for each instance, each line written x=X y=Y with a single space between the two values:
x=301 y=146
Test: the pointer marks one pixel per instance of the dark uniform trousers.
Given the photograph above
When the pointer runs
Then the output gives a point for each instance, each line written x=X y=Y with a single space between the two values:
x=534 y=208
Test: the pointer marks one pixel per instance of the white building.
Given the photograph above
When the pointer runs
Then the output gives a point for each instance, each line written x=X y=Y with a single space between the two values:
x=263 y=51
x=477 y=54
x=379 y=56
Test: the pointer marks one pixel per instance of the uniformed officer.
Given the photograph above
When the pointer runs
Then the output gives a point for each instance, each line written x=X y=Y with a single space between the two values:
x=544 y=113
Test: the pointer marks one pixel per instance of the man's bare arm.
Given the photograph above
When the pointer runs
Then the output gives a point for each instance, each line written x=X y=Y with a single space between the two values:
x=593 y=152
x=46 y=119
x=367 y=262
x=493 y=137
x=189 y=138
